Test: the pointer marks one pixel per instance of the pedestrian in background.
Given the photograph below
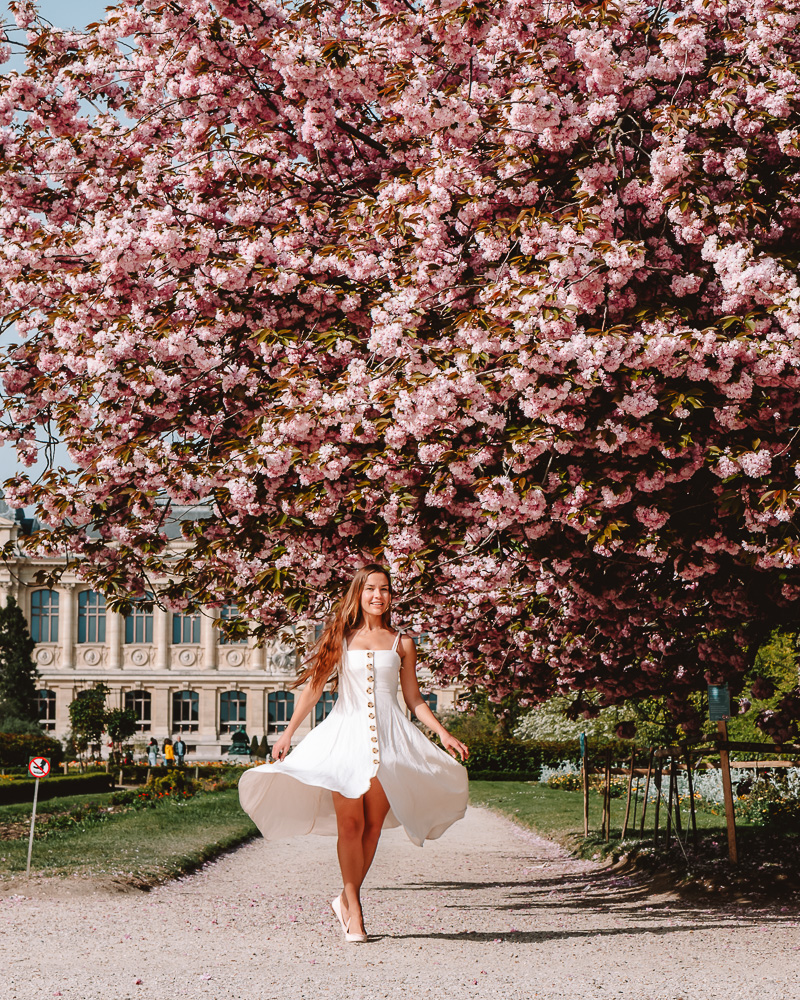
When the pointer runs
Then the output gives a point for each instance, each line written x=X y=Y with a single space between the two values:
x=152 y=752
x=169 y=752
x=180 y=751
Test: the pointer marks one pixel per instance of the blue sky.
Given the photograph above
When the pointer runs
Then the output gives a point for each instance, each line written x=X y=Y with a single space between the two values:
x=63 y=14
x=71 y=13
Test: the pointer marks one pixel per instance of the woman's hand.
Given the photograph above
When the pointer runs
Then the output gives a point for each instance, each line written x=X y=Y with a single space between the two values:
x=454 y=746
x=281 y=746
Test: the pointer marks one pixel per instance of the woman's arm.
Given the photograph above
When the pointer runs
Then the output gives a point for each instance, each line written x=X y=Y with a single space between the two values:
x=416 y=703
x=307 y=700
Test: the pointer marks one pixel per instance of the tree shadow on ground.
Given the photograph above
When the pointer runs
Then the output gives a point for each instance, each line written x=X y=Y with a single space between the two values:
x=637 y=897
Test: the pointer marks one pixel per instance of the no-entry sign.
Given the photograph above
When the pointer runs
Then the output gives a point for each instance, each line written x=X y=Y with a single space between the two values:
x=38 y=767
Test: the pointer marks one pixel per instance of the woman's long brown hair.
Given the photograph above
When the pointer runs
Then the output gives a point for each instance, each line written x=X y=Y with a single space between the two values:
x=323 y=664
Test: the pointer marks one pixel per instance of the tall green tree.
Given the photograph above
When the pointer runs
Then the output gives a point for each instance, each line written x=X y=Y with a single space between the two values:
x=120 y=724
x=87 y=715
x=18 y=673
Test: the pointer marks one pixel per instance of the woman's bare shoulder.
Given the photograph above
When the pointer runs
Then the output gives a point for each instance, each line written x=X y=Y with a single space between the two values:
x=408 y=642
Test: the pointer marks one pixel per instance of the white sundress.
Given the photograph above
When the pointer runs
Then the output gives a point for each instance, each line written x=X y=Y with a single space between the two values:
x=366 y=735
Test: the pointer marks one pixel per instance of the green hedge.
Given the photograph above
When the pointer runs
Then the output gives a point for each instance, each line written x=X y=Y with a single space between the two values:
x=18 y=748
x=21 y=790
x=136 y=774
x=504 y=775
x=523 y=759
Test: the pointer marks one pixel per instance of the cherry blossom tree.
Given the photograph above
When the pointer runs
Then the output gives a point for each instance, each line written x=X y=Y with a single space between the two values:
x=504 y=293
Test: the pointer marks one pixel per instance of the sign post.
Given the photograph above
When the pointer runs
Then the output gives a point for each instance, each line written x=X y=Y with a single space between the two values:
x=38 y=767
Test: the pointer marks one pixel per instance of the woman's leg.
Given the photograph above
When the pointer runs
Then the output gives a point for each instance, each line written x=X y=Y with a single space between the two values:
x=359 y=822
x=350 y=848
x=376 y=806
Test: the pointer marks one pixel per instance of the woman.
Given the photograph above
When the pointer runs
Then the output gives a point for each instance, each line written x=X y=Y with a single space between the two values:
x=366 y=767
x=169 y=753
x=152 y=752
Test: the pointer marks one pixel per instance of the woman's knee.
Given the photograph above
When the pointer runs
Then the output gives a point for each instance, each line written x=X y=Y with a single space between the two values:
x=372 y=829
x=351 y=827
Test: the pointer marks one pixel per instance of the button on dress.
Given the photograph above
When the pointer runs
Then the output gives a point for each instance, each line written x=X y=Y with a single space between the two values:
x=365 y=735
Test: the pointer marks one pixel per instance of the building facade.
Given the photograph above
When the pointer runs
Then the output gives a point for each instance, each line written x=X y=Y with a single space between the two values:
x=178 y=672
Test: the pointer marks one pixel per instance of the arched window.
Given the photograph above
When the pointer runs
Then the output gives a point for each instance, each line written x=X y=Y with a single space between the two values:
x=280 y=705
x=44 y=616
x=91 y=617
x=185 y=629
x=185 y=711
x=141 y=702
x=227 y=613
x=232 y=711
x=323 y=707
x=139 y=623
x=46 y=707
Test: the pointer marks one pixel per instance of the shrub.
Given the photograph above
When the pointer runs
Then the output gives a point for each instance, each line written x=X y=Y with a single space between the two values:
x=21 y=789
x=89 y=812
x=136 y=774
x=123 y=798
x=566 y=782
x=515 y=757
x=769 y=803
x=18 y=748
x=175 y=783
x=618 y=786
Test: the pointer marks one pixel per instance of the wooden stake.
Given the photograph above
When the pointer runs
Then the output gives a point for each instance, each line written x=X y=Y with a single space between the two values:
x=636 y=800
x=677 y=799
x=628 y=799
x=730 y=815
x=585 y=775
x=646 y=790
x=691 y=796
x=607 y=798
x=670 y=800
x=657 y=782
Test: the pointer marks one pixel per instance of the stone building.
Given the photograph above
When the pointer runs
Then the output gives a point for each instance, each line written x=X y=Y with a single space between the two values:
x=176 y=671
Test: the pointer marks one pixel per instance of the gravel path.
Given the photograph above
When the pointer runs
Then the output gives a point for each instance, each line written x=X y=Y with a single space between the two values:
x=488 y=911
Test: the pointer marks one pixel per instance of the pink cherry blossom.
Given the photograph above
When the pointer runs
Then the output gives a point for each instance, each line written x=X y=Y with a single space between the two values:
x=503 y=295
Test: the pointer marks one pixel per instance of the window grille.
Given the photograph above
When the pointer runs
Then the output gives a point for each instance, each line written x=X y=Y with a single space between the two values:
x=44 y=616
x=91 y=617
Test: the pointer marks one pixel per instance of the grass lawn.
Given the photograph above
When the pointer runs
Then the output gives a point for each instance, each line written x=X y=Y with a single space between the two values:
x=138 y=846
x=22 y=810
x=558 y=814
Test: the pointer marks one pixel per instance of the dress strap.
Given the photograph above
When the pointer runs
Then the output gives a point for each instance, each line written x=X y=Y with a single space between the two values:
x=397 y=641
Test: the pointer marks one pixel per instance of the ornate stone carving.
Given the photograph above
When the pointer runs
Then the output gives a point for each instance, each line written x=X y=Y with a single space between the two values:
x=282 y=658
x=91 y=657
x=187 y=657
x=44 y=656
x=139 y=657
x=234 y=657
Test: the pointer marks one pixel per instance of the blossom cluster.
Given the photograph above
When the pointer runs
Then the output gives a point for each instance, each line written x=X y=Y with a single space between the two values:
x=504 y=294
